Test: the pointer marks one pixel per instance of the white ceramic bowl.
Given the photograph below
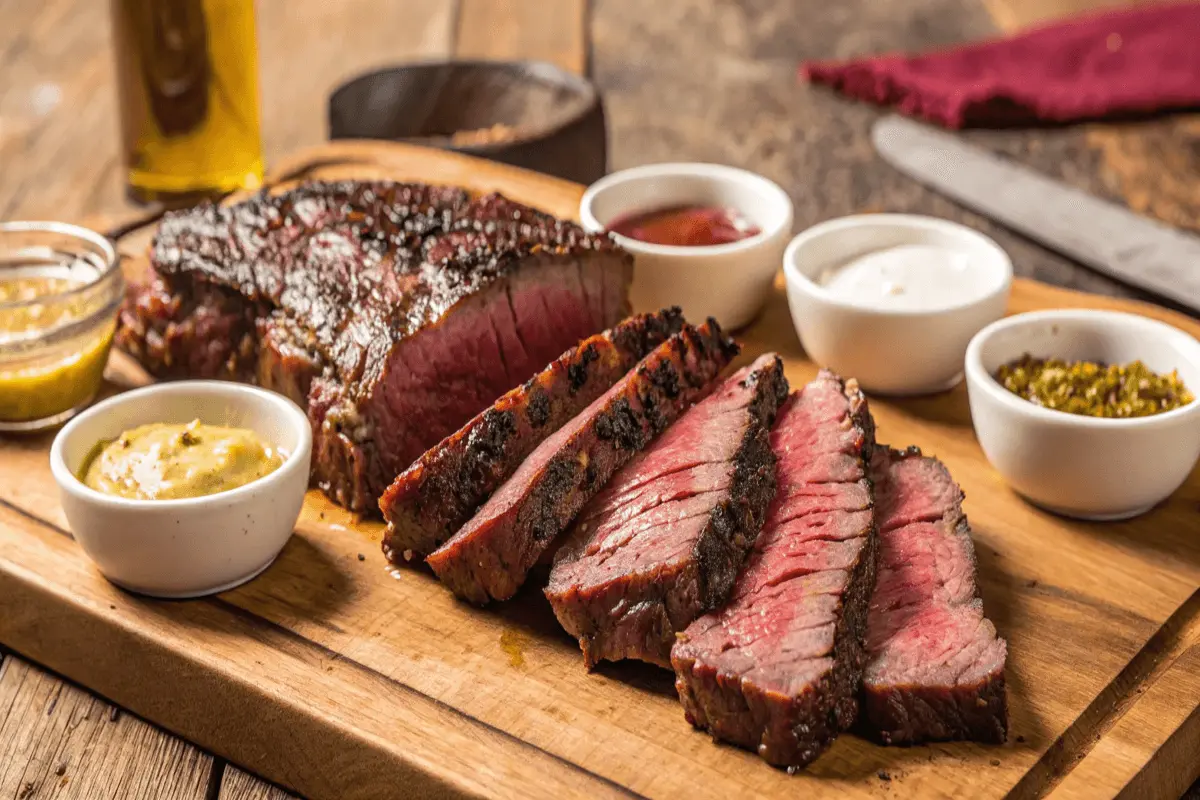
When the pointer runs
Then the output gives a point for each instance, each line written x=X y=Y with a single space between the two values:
x=891 y=351
x=192 y=547
x=729 y=282
x=1085 y=467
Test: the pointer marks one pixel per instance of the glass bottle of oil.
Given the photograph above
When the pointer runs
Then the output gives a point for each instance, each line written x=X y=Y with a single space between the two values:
x=187 y=74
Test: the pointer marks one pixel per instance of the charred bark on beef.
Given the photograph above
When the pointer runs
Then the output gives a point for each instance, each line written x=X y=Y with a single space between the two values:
x=663 y=542
x=437 y=495
x=491 y=555
x=777 y=669
x=398 y=310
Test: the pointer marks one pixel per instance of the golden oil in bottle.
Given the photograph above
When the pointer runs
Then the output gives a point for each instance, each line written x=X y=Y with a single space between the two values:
x=187 y=75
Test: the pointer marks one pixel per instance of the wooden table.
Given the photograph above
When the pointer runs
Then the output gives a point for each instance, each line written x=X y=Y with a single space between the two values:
x=695 y=80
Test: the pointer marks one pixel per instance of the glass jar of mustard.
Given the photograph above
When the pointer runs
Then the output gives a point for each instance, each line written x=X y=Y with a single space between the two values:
x=60 y=291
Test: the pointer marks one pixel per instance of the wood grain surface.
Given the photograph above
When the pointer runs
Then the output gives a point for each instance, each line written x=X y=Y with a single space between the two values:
x=58 y=741
x=58 y=112
x=239 y=785
x=717 y=82
x=58 y=94
x=524 y=29
x=58 y=140
x=374 y=678
x=695 y=79
x=1132 y=759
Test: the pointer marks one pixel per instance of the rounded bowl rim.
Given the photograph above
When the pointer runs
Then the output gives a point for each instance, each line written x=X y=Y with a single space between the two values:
x=814 y=290
x=287 y=410
x=703 y=169
x=586 y=97
x=978 y=376
x=112 y=259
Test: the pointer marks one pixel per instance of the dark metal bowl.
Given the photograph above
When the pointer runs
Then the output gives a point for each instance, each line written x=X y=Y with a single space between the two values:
x=556 y=118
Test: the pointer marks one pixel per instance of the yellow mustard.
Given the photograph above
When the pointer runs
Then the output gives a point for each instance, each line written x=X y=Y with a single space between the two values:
x=171 y=462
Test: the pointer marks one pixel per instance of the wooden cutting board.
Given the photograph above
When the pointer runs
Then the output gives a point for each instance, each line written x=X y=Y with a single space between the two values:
x=339 y=677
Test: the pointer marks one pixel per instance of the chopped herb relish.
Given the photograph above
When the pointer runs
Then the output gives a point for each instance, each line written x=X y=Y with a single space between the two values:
x=1094 y=390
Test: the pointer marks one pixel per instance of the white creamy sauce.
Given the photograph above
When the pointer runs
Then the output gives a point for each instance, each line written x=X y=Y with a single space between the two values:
x=918 y=277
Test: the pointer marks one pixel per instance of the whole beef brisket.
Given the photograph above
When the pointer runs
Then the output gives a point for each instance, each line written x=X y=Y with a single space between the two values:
x=491 y=555
x=395 y=312
x=440 y=492
x=777 y=669
x=936 y=667
x=664 y=541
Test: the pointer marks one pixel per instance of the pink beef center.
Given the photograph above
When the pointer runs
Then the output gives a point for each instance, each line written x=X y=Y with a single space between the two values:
x=435 y=383
x=926 y=625
x=778 y=630
x=655 y=508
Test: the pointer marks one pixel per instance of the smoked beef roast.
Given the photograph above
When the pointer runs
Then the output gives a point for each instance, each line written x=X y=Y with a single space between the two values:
x=490 y=556
x=436 y=496
x=663 y=543
x=936 y=667
x=394 y=312
x=777 y=669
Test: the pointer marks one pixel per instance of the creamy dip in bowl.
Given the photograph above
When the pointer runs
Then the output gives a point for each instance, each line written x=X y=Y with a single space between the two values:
x=893 y=299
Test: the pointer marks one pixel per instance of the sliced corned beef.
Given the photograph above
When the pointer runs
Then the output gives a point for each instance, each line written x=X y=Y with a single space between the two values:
x=440 y=492
x=936 y=666
x=490 y=556
x=777 y=669
x=663 y=542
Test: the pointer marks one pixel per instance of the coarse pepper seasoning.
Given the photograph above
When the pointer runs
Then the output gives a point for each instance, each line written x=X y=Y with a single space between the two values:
x=1093 y=389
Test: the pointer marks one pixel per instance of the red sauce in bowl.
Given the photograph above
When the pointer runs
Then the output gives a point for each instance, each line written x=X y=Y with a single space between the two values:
x=685 y=226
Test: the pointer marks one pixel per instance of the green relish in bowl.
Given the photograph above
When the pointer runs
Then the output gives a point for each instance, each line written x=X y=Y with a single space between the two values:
x=1093 y=389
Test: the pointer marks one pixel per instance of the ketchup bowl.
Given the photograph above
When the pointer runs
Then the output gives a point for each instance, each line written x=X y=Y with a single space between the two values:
x=748 y=215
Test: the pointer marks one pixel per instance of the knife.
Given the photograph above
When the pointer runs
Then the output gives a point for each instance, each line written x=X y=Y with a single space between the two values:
x=1102 y=235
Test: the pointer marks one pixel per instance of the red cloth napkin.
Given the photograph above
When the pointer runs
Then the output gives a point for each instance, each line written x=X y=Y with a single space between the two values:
x=1117 y=64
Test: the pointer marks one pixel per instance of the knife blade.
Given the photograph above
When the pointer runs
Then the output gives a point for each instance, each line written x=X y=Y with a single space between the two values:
x=1102 y=235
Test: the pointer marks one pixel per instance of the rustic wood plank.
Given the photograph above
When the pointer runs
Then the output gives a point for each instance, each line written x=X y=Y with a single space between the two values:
x=524 y=29
x=307 y=48
x=57 y=62
x=729 y=66
x=1152 y=749
x=1154 y=166
x=317 y=701
x=374 y=679
x=59 y=741
x=58 y=73
x=58 y=112
x=239 y=785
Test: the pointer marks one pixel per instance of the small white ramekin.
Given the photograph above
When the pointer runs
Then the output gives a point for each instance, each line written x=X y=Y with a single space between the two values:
x=1085 y=467
x=191 y=547
x=890 y=351
x=729 y=282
